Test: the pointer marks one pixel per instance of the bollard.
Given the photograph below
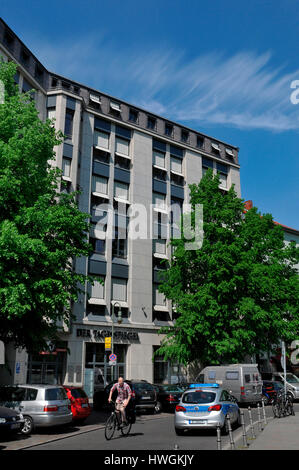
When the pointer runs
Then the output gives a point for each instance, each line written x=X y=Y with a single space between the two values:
x=260 y=427
x=251 y=423
x=232 y=444
x=176 y=447
x=244 y=429
x=218 y=437
x=264 y=413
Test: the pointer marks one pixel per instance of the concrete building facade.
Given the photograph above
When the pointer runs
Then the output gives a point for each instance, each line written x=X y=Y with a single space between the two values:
x=119 y=156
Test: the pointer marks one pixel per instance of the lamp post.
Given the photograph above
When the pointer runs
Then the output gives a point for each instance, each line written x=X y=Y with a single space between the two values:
x=119 y=321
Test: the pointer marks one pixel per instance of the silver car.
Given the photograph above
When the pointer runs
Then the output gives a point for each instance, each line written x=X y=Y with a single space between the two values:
x=205 y=406
x=40 y=405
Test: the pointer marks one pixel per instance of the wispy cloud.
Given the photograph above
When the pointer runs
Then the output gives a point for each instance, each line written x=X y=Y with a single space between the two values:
x=244 y=90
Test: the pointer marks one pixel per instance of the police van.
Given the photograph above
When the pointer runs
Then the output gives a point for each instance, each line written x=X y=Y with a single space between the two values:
x=243 y=381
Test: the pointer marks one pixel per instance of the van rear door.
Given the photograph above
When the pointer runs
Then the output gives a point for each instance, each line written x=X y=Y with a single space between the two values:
x=252 y=383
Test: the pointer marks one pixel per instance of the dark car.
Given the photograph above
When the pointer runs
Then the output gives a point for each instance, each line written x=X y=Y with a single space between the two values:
x=144 y=395
x=10 y=420
x=168 y=396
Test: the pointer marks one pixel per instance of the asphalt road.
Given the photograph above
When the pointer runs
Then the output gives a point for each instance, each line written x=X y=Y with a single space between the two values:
x=154 y=433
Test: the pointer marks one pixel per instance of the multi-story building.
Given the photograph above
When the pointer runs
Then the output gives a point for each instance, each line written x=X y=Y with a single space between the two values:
x=119 y=155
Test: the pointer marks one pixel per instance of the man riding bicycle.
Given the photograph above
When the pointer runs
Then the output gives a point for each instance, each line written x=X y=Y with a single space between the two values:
x=124 y=394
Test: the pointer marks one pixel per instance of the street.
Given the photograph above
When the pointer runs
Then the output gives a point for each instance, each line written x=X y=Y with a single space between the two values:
x=149 y=432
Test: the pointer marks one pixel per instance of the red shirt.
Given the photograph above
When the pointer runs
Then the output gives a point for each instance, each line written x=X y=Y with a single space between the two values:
x=123 y=392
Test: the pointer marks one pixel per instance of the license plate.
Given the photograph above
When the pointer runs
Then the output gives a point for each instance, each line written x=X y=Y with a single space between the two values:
x=63 y=408
x=146 y=398
x=197 y=421
x=84 y=405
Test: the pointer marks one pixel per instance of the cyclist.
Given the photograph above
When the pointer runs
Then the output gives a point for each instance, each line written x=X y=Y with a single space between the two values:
x=124 y=394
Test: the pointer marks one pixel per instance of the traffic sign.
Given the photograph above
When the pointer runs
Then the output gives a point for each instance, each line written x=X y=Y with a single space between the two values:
x=112 y=358
x=108 y=343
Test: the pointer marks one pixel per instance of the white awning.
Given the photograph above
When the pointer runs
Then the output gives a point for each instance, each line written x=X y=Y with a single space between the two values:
x=229 y=152
x=95 y=98
x=122 y=155
x=161 y=308
x=104 y=196
x=115 y=106
x=119 y=303
x=124 y=201
x=216 y=147
x=94 y=301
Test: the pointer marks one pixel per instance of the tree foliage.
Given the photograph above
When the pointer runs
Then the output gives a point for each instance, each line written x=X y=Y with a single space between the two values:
x=42 y=231
x=238 y=295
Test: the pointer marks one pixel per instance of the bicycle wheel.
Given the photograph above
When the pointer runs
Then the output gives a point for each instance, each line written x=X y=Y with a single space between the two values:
x=126 y=429
x=110 y=427
x=276 y=410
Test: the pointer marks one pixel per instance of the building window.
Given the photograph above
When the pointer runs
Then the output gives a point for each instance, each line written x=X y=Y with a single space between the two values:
x=199 y=141
x=158 y=158
x=99 y=246
x=65 y=85
x=115 y=108
x=158 y=297
x=121 y=190
x=97 y=290
x=54 y=82
x=68 y=126
x=206 y=165
x=101 y=156
x=8 y=40
x=177 y=180
x=176 y=165
x=151 y=123
x=99 y=184
x=184 y=136
x=119 y=245
x=159 y=200
x=159 y=174
x=66 y=167
x=123 y=163
x=222 y=171
x=168 y=129
x=122 y=146
x=119 y=289
x=25 y=57
x=133 y=115
x=159 y=247
x=94 y=101
x=39 y=73
x=101 y=139
x=215 y=148
x=51 y=113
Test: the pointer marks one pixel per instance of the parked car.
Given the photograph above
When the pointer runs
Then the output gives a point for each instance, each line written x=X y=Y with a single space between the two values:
x=144 y=395
x=10 y=420
x=41 y=405
x=292 y=382
x=205 y=406
x=79 y=403
x=241 y=380
x=168 y=396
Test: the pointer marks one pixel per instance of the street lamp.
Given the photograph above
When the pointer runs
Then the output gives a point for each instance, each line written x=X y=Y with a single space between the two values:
x=119 y=321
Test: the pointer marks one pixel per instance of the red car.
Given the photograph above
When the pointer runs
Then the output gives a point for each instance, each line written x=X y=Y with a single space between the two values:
x=79 y=403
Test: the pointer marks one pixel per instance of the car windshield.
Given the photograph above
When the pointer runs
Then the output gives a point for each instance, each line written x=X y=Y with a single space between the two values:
x=199 y=397
x=55 y=394
x=143 y=386
x=292 y=378
x=78 y=393
x=172 y=388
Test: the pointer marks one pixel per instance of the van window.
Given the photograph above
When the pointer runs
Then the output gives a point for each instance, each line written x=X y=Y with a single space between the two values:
x=212 y=374
x=232 y=375
x=247 y=378
x=201 y=378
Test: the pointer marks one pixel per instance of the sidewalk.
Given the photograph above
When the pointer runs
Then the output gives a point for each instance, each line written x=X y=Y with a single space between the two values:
x=279 y=434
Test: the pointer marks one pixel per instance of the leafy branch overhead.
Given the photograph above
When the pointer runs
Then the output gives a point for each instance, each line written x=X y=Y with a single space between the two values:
x=239 y=294
x=42 y=231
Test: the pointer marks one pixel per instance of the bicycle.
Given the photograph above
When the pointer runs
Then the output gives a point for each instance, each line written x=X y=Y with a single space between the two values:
x=114 y=422
x=283 y=405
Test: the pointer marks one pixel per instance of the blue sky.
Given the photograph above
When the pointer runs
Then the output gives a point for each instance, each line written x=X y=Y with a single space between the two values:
x=223 y=67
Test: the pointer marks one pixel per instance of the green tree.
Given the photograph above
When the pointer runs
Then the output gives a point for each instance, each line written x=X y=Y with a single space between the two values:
x=42 y=231
x=238 y=295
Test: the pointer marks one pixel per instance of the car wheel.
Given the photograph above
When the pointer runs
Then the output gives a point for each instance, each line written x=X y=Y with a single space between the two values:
x=27 y=426
x=158 y=407
x=179 y=432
